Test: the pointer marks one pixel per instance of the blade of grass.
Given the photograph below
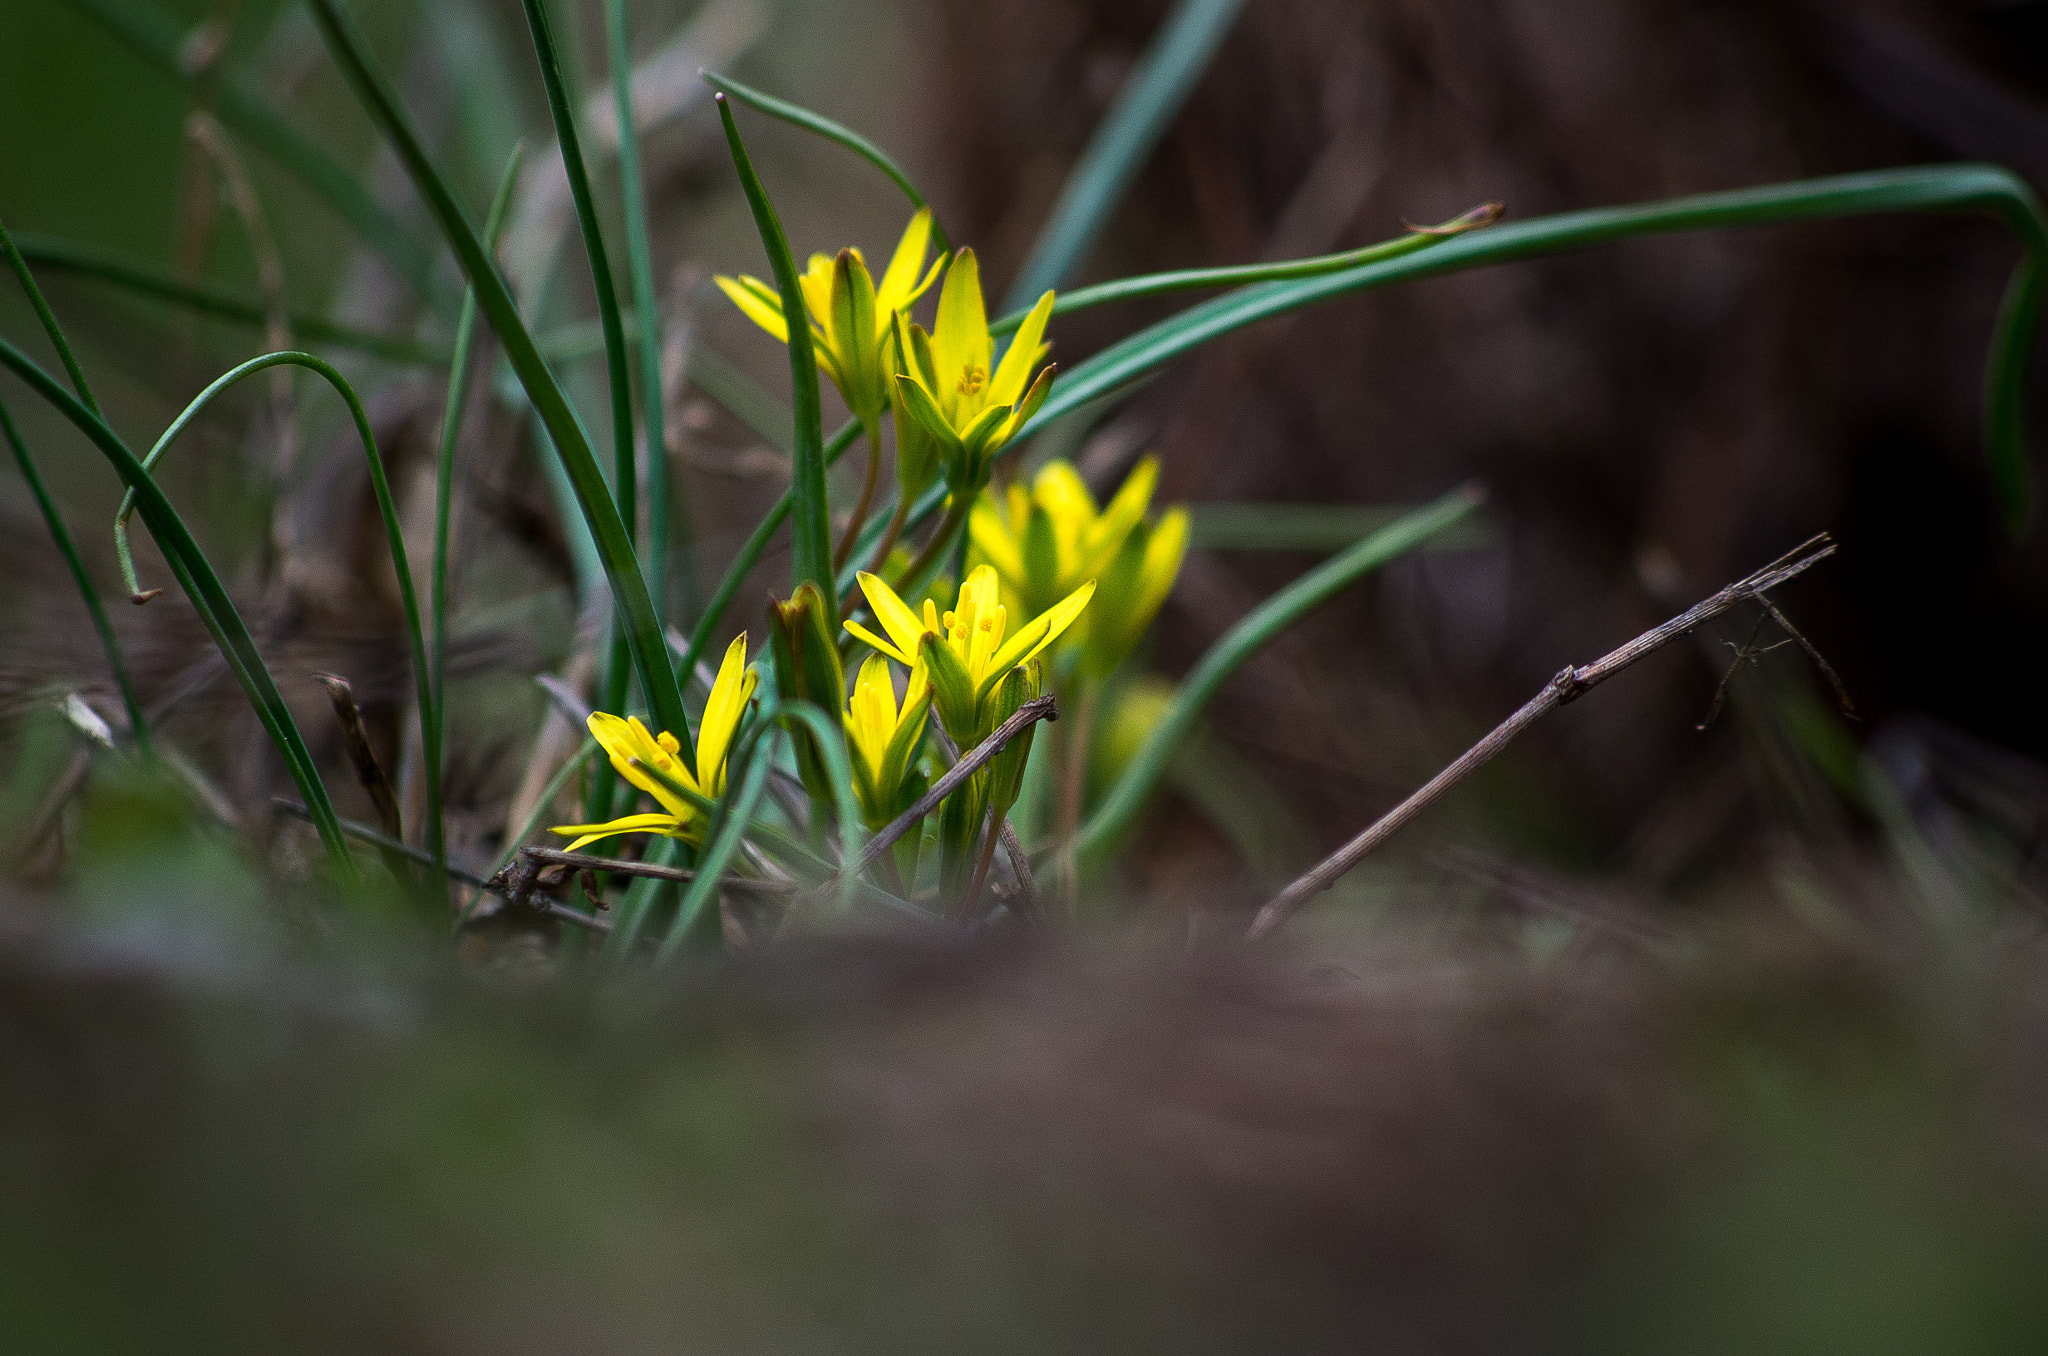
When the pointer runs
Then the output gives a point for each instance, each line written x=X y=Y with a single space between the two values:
x=811 y=509
x=195 y=574
x=607 y=529
x=1164 y=78
x=159 y=38
x=625 y=470
x=394 y=537
x=117 y=662
x=1952 y=188
x=1256 y=631
x=646 y=317
x=434 y=716
x=1195 y=279
x=833 y=132
x=132 y=275
x=1302 y=527
x=726 y=834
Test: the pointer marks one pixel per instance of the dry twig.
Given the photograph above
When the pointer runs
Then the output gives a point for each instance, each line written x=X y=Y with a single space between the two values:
x=1037 y=709
x=1569 y=685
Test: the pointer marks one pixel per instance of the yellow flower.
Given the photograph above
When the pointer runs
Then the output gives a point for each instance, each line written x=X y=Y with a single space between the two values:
x=653 y=764
x=964 y=652
x=951 y=385
x=852 y=320
x=883 y=738
x=1042 y=543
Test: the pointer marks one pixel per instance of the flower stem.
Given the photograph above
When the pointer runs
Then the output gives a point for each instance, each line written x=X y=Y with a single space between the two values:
x=867 y=497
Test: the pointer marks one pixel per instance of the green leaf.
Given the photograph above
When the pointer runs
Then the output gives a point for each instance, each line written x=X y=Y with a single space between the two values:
x=1978 y=188
x=195 y=574
x=132 y=275
x=608 y=532
x=160 y=39
x=834 y=132
x=1164 y=78
x=394 y=538
x=1304 y=527
x=811 y=524
x=1246 y=639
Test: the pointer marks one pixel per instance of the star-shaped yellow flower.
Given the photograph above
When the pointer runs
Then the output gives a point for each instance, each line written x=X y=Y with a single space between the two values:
x=653 y=763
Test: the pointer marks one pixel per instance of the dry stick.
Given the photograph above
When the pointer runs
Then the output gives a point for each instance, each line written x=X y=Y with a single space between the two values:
x=1569 y=685
x=369 y=772
x=613 y=866
x=1038 y=708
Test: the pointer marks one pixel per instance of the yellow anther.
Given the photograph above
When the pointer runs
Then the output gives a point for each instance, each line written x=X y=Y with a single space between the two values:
x=670 y=743
x=973 y=379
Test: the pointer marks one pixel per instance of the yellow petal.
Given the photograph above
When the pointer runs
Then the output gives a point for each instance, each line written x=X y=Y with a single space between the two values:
x=1105 y=536
x=961 y=346
x=1023 y=355
x=591 y=833
x=1030 y=642
x=767 y=316
x=722 y=711
x=883 y=646
x=899 y=280
x=894 y=614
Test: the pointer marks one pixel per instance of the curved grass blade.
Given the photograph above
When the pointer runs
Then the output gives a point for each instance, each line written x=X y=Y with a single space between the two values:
x=1147 y=106
x=434 y=715
x=117 y=661
x=646 y=316
x=608 y=532
x=195 y=574
x=1195 y=279
x=160 y=39
x=811 y=509
x=394 y=537
x=834 y=132
x=132 y=275
x=1981 y=188
x=625 y=469
x=1247 y=638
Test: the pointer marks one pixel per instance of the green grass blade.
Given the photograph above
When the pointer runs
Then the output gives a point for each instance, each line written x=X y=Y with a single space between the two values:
x=607 y=529
x=1139 y=118
x=394 y=537
x=1954 y=188
x=160 y=39
x=730 y=828
x=834 y=132
x=646 y=315
x=1246 y=639
x=2005 y=394
x=209 y=599
x=830 y=736
x=1244 y=275
x=117 y=661
x=1304 y=527
x=132 y=275
x=625 y=471
x=810 y=507
x=48 y=318
x=434 y=716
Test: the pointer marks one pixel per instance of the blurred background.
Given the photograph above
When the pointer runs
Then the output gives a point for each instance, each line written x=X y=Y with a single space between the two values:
x=1651 y=420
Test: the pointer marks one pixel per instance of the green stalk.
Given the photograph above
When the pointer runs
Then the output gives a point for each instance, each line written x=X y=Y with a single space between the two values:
x=1247 y=638
x=134 y=276
x=811 y=523
x=625 y=469
x=394 y=536
x=1143 y=111
x=49 y=321
x=109 y=642
x=608 y=532
x=434 y=715
x=833 y=132
x=160 y=39
x=209 y=598
x=646 y=316
x=1982 y=188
